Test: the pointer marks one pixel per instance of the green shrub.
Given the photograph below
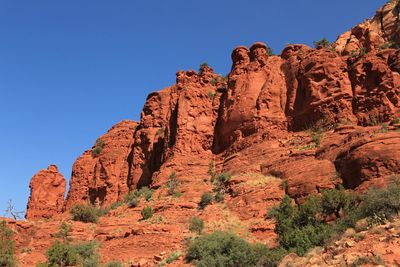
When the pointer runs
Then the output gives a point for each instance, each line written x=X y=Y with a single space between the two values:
x=87 y=213
x=298 y=227
x=172 y=184
x=196 y=225
x=173 y=257
x=7 y=246
x=113 y=264
x=219 y=197
x=211 y=171
x=383 y=202
x=132 y=199
x=99 y=146
x=334 y=200
x=270 y=52
x=226 y=249
x=222 y=182
x=64 y=231
x=206 y=199
x=322 y=43
x=202 y=67
x=116 y=204
x=145 y=192
x=67 y=254
x=147 y=213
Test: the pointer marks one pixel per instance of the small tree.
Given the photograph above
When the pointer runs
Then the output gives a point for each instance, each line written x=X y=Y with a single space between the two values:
x=11 y=213
x=206 y=199
x=64 y=231
x=196 y=225
x=7 y=246
x=147 y=213
x=99 y=146
x=86 y=213
x=322 y=43
x=172 y=184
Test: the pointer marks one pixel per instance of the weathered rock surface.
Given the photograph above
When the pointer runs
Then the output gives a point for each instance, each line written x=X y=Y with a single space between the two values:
x=312 y=118
x=47 y=194
x=383 y=30
x=102 y=178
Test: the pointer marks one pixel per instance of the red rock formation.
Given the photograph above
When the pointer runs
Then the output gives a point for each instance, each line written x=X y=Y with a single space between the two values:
x=383 y=30
x=47 y=194
x=103 y=178
x=319 y=88
x=176 y=128
x=255 y=98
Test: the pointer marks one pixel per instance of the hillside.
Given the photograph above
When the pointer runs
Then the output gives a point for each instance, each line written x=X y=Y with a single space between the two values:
x=296 y=124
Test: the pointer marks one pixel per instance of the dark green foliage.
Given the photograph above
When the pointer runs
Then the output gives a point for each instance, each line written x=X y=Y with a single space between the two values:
x=196 y=225
x=116 y=205
x=64 y=231
x=67 y=254
x=147 y=213
x=87 y=213
x=206 y=199
x=322 y=43
x=113 y=264
x=222 y=182
x=219 y=197
x=132 y=199
x=98 y=147
x=202 y=67
x=211 y=171
x=298 y=226
x=383 y=202
x=213 y=81
x=334 y=200
x=172 y=184
x=224 y=249
x=145 y=192
x=270 y=52
x=7 y=246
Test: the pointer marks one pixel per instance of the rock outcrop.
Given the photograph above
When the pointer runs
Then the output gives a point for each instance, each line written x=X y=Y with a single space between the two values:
x=100 y=175
x=47 y=194
x=382 y=31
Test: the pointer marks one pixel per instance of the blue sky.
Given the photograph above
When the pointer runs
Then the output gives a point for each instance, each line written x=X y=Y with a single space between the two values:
x=71 y=69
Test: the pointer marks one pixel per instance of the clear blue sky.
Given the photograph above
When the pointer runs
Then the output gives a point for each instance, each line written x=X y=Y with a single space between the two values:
x=71 y=69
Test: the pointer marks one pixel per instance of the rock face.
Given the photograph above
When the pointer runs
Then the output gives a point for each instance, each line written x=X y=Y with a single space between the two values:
x=243 y=122
x=100 y=175
x=47 y=194
x=382 y=31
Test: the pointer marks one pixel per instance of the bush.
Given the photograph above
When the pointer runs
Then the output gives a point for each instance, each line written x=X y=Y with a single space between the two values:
x=67 y=254
x=7 y=246
x=64 y=231
x=383 y=202
x=132 y=199
x=298 y=227
x=113 y=264
x=334 y=200
x=219 y=197
x=222 y=182
x=86 y=213
x=172 y=184
x=206 y=199
x=226 y=249
x=173 y=257
x=322 y=43
x=145 y=192
x=196 y=225
x=147 y=213
x=99 y=146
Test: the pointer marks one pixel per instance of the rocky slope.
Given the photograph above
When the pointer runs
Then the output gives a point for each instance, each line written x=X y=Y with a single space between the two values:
x=296 y=123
